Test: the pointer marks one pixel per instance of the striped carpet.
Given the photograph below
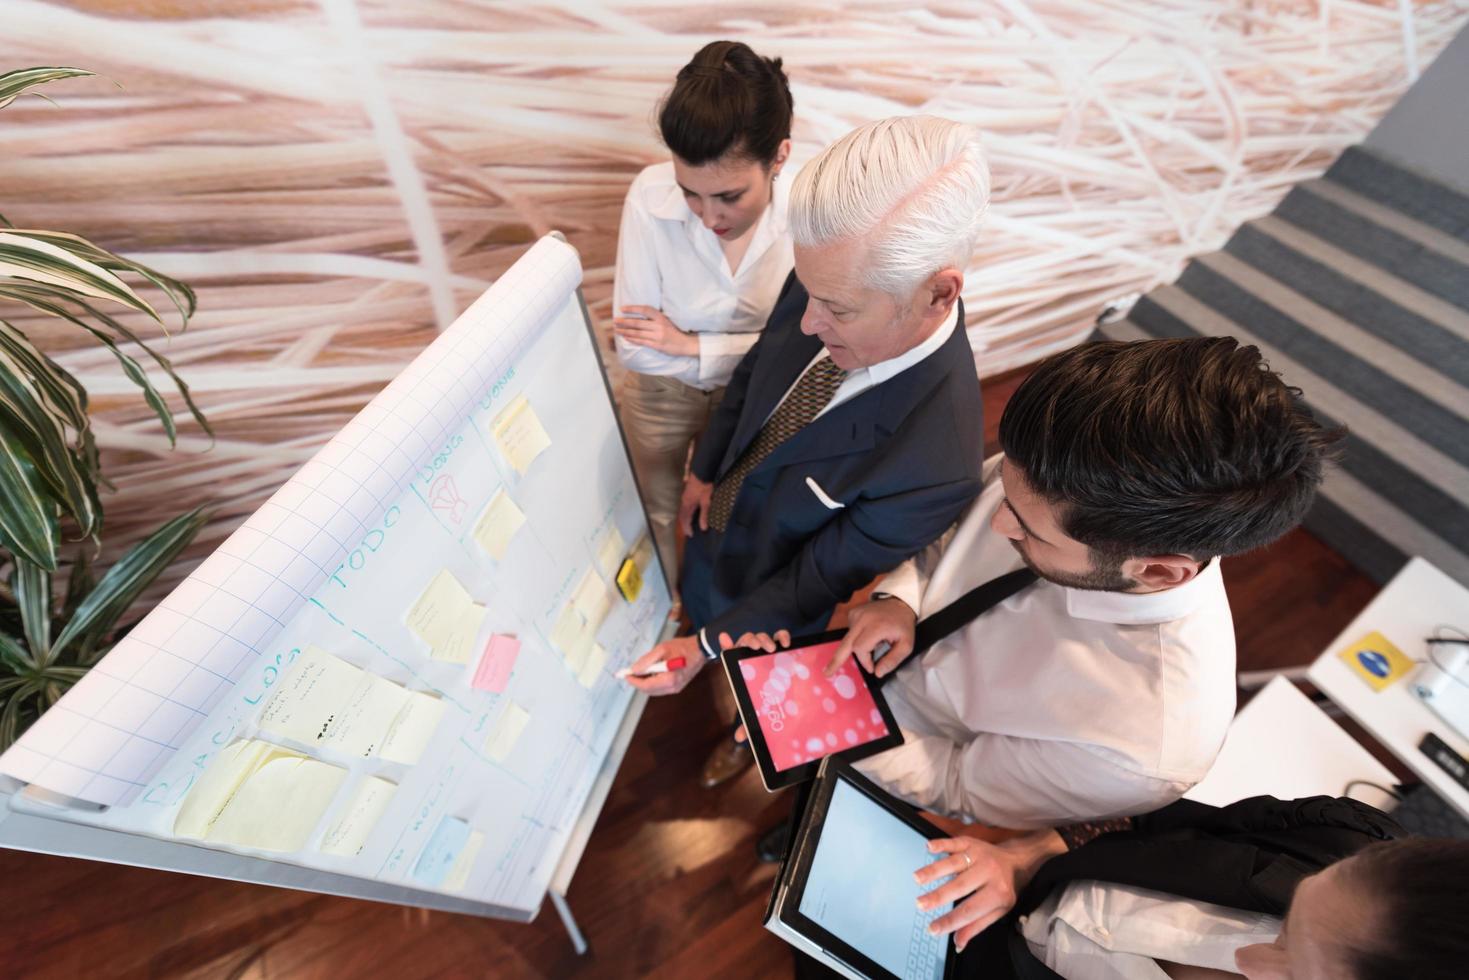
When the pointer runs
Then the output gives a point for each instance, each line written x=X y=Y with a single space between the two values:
x=1357 y=290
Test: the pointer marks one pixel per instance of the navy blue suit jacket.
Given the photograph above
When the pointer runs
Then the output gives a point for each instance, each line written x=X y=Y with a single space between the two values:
x=903 y=457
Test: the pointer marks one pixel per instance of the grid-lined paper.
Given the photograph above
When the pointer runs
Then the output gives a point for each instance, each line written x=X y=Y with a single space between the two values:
x=120 y=724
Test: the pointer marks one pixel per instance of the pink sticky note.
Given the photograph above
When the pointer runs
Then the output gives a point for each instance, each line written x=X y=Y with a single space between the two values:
x=493 y=672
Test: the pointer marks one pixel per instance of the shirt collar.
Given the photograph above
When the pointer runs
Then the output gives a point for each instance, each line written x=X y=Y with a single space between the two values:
x=667 y=204
x=883 y=370
x=1127 y=608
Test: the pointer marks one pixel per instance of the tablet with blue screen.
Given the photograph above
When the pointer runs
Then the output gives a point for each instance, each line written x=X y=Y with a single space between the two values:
x=846 y=894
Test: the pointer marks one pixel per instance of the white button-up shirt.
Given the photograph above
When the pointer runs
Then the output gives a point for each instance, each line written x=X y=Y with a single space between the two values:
x=668 y=260
x=1058 y=705
x=1095 y=931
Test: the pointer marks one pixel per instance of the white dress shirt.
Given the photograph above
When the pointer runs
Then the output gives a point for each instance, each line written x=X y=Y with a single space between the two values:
x=668 y=260
x=1096 y=931
x=873 y=375
x=1058 y=705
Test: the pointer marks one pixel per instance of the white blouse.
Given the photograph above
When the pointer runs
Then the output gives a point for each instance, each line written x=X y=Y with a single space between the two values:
x=668 y=260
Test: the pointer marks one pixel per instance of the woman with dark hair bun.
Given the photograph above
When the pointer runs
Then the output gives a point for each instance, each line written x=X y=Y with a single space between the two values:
x=701 y=257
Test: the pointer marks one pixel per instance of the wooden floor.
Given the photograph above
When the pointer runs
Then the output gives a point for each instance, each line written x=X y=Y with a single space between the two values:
x=669 y=887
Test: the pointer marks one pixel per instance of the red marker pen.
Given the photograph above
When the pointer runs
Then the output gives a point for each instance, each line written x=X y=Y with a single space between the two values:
x=663 y=667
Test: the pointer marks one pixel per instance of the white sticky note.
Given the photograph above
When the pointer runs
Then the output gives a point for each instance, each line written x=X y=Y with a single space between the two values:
x=573 y=637
x=642 y=552
x=610 y=551
x=446 y=618
x=309 y=695
x=412 y=729
x=226 y=771
x=279 y=805
x=458 y=875
x=362 y=723
x=592 y=599
x=519 y=434
x=506 y=732
x=365 y=808
x=497 y=524
x=591 y=670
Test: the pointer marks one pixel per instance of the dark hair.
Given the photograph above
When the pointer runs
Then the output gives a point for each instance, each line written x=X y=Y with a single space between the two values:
x=1418 y=891
x=727 y=100
x=1156 y=447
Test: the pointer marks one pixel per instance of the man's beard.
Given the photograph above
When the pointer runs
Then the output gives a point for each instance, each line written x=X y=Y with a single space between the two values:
x=1095 y=580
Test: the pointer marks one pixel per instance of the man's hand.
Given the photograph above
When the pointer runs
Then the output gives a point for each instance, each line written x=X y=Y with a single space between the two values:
x=674 y=680
x=991 y=875
x=760 y=641
x=656 y=331
x=696 y=497
x=883 y=621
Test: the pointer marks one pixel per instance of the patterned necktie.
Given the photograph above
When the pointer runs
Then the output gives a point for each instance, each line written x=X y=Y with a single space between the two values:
x=811 y=394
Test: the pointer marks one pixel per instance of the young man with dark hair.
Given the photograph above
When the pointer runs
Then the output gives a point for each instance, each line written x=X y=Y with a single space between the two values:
x=1099 y=682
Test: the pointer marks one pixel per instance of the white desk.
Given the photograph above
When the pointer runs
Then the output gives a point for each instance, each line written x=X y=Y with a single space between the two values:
x=1419 y=599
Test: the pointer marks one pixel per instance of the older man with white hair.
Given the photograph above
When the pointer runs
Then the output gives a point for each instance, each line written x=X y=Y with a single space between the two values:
x=851 y=435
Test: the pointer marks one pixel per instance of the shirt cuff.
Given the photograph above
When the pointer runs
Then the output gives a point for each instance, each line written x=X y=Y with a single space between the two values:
x=709 y=652
x=720 y=354
x=902 y=583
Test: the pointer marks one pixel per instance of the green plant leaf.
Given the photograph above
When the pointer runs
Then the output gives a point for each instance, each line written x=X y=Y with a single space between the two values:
x=179 y=293
x=128 y=577
x=45 y=299
x=13 y=83
x=40 y=428
x=26 y=256
x=27 y=513
x=33 y=592
x=14 y=656
x=79 y=582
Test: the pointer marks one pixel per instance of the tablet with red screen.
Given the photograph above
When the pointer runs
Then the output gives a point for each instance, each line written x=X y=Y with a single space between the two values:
x=795 y=716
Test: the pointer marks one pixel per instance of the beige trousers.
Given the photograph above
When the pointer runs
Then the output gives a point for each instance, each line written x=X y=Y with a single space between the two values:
x=662 y=418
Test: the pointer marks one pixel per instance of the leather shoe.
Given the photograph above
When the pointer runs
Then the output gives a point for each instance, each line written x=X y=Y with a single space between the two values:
x=728 y=760
x=774 y=843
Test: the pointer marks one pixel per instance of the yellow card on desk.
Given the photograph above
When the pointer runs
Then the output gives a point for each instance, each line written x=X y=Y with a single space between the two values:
x=1374 y=659
x=630 y=580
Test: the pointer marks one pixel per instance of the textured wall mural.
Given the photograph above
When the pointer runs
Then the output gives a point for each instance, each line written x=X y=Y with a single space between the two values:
x=340 y=178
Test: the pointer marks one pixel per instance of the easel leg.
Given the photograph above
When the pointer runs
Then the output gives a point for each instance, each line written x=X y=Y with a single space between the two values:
x=578 y=942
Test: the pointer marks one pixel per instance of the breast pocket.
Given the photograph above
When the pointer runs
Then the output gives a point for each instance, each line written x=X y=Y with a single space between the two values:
x=825 y=499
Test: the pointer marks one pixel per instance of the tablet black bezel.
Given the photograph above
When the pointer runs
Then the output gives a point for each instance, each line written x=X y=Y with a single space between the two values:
x=797 y=871
x=773 y=778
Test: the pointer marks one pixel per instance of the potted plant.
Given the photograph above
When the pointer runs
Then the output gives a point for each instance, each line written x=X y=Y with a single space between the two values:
x=57 y=618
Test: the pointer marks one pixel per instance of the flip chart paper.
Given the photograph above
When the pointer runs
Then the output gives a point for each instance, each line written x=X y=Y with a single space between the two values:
x=278 y=805
x=363 y=722
x=441 y=851
x=519 y=434
x=592 y=669
x=493 y=672
x=413 y=729
x=496 y=527
x=365 y=808
x=458 y=875
x=508 y=728
x=309 y=696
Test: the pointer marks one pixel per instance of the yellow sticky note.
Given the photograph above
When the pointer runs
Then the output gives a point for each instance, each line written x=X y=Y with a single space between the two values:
x=519 y=434
x=610 y=551
x=508 y=727
x=591 y=671
x=362 y=723
x=413 y=729
x=230 y=767
x=1374 y=659
x=308 y=696
x=349 y=832
x=591 y=599
x=279 y=805
x=497 y=524
x=574 y=637
x=446 y=618
x=458 y=875
x=629 y=580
